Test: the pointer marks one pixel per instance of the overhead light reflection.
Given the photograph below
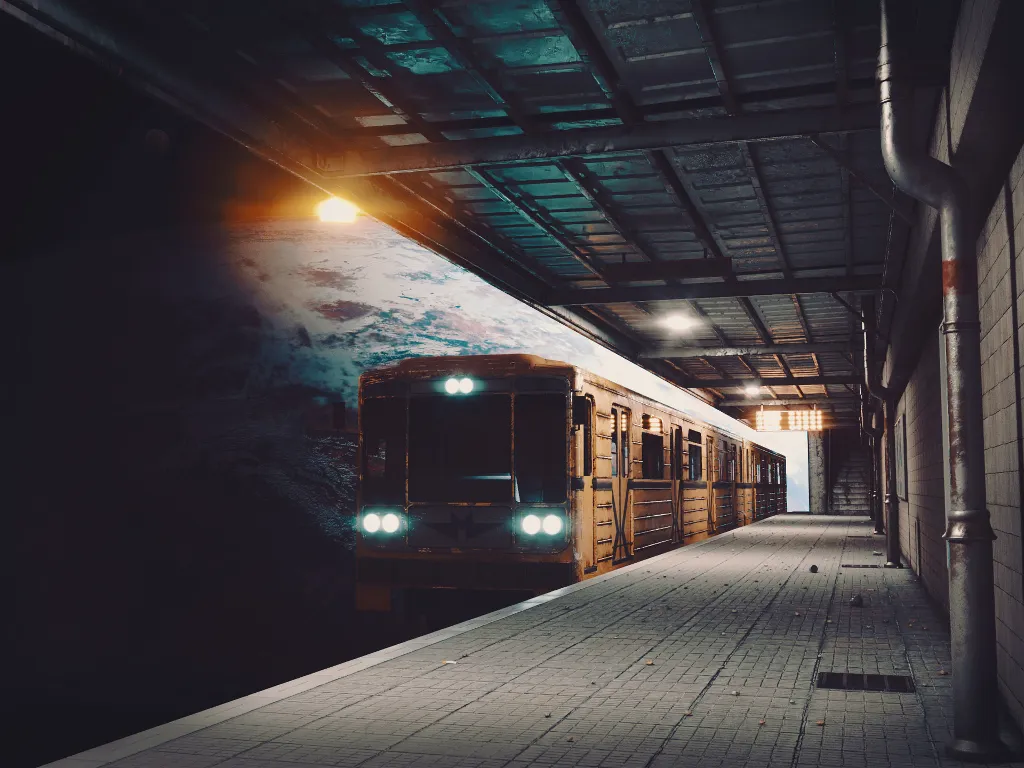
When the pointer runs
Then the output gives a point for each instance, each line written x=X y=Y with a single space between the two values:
x=679 y=322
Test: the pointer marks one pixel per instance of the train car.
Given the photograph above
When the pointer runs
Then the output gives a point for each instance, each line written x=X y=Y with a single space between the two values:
x=512 y=472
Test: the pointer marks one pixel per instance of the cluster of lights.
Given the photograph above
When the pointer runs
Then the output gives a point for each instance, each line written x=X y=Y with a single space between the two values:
x=788 y=421
x=533 y=524
x=456 y=386
x=376 y=522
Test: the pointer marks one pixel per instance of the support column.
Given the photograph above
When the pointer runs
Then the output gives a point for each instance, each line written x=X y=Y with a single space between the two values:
x=877 y=513
x=817 y=473
x=892 y=502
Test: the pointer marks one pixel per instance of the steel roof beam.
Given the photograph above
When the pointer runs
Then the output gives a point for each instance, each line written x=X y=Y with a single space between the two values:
x=662 y=134
x=771 y=381
x=753 y=349
x=805 y=400
x=735 y=289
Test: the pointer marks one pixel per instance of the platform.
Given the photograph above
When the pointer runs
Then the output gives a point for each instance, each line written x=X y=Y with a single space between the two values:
x=708 y=655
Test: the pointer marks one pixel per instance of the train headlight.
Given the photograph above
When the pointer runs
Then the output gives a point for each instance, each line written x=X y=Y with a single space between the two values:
x=381 y=520
x=552 y=525
x=457 y=386
x=531 y=525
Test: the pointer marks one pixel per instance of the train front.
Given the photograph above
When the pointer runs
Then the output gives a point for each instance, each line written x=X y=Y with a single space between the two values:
x=464 y=483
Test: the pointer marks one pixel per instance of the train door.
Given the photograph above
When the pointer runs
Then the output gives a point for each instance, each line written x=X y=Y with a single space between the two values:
x=712 y=477
x=621 y=472
x=678 y=460
x=583 y=479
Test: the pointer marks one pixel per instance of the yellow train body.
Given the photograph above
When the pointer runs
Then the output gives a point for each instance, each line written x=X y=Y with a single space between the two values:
x=620 y=476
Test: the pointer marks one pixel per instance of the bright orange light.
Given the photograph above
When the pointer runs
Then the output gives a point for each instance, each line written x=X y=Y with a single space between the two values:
x=337 y=210
x=788 y=421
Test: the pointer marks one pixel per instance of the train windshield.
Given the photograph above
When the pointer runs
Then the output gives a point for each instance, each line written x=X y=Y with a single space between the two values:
x=460 y=448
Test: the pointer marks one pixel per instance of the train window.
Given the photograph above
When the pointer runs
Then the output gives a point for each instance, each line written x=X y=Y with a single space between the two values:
x=677 y=453
x=620 y=442
x=720 y=463
x=696 y=470
x=460 y=448
x=615 y=442
x=694 y=436
x=652 y=454
x=383 y=428
x=732 y=463
x=541 y=447
x=582 y=416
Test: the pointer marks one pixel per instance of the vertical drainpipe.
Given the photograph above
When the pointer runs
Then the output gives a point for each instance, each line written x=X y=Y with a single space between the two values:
x=874 y=433
x=968 y=533
x=888 y=400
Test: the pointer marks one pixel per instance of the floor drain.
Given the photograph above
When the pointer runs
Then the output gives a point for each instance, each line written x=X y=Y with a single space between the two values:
x=844 y=681
x=857 y=565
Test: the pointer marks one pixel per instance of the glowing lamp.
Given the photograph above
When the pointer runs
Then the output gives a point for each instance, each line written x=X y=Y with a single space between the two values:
x=334 y=209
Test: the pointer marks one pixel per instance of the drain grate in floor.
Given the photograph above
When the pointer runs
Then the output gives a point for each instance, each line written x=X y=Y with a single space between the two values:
x=858 y=565
x=844 y=681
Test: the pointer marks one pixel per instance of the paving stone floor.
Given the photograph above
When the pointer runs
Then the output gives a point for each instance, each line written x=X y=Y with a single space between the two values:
x=705 y=656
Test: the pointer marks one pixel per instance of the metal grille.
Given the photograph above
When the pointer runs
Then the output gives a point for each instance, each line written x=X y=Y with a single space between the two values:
x=845 y=681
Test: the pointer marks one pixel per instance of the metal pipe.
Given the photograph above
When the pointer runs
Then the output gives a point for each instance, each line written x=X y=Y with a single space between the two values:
x=887 y=398
x=968 y=532
x=892 y=502
x=874 y=432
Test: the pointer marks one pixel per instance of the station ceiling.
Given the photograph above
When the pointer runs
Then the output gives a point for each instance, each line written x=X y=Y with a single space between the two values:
x=612 y=162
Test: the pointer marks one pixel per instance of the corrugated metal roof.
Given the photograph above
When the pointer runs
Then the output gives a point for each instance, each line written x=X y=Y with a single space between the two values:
x=309 y=80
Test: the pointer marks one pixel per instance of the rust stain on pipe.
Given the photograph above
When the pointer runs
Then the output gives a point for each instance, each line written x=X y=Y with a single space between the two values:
x=959 y=276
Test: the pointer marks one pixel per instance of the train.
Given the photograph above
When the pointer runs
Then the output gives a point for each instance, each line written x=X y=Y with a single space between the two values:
x=514 y=473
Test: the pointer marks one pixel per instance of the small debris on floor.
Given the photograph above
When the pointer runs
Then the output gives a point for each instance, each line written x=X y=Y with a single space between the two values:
x=813 y=569
x=877 y=554
x=820 y=722
x=548 y=715
x=943 y=673
x=856 y=601
x=760 y=722
x=735 y=693
x=688 y=713
x=792 y=701
x=649 y=663
x=445 y=661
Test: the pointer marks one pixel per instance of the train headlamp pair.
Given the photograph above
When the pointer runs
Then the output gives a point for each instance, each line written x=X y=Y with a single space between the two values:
x=533 y=524
x=381 y=521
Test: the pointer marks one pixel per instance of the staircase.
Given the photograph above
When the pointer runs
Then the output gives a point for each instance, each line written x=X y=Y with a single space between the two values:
x=851 y=481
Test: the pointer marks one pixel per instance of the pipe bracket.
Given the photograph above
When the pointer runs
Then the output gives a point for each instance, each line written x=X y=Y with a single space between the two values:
x=960 y=326
x=969 y=525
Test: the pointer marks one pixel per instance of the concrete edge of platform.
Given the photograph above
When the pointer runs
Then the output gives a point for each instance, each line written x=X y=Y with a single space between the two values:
x=131 y=745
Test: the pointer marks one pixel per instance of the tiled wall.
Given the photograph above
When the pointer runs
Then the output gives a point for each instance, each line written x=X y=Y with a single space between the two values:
x=922 y=515
x=1000 y=401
